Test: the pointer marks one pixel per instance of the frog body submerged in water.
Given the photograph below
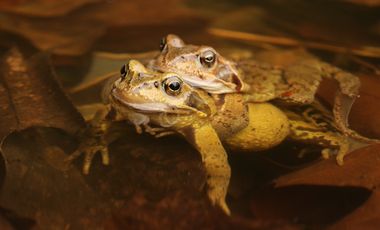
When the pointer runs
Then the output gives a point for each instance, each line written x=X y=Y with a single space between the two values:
x=209 y=122
x=214 y=102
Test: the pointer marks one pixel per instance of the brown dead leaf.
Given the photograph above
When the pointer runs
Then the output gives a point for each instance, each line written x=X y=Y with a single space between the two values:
x=75 y=33
x=371 y=3
x=185 y=211
x=365 y=115
x=365 y=112
x=283 y=18
x=54 y=35
x=160 y=183
x=43 y=8
x=30 y=96
x=39 y=185
x=359 y=171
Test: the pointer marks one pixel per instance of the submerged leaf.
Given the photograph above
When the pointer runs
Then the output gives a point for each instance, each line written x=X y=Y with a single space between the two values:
x=40 y=186
x=75 y=33
x=30 y=96
x=43 y=8
x=360 y=170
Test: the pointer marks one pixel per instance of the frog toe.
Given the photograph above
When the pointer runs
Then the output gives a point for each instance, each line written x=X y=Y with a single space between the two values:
x=89 y=152
x=223 y=205
x=89 y=156
x=326 y=153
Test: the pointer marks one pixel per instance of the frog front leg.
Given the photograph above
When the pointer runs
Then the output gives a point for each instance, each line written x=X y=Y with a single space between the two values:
x=93 y=140
x=214 y=158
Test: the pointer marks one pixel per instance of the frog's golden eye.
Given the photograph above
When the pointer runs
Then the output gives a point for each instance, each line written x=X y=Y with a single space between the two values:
x=163 y=44
x=172 y=85
x=123 y=71
x=208 y=58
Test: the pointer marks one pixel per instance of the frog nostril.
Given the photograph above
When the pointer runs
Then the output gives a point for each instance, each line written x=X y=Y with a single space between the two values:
x=163 y=44
x=123 y=71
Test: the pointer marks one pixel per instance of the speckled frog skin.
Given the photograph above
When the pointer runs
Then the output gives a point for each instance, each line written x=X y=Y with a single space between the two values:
x=166 y=102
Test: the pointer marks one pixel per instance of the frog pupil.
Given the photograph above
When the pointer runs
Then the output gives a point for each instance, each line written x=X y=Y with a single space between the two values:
x=174 y=86
x=208 y=58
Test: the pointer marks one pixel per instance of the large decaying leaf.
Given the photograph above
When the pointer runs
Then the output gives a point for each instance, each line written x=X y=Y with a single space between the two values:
x=74 y=33
x=39 y=185
x=30 y=96
x=43 y=8
x=359 y=171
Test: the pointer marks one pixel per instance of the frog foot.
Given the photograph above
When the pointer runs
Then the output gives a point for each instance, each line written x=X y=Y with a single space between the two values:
x=304 y=152
x=89 y=150
x=317 y=119
x=326 y=153
x=344 y=149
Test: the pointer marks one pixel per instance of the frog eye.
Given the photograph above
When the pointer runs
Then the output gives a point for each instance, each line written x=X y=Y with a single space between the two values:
x=163 y=44
x=172 y=85
x=123 y=71
x=208 y=58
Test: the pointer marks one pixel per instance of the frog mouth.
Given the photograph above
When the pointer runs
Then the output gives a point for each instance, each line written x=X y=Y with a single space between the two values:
x=215 y=86
x=134 y=103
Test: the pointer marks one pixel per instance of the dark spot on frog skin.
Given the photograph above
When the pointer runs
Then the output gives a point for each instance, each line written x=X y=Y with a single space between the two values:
x=219 y=99
x=237 y=82
x=156 y=84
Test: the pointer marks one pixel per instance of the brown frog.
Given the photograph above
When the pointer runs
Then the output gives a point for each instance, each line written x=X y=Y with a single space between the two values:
x=163 y=104
x=203 y=67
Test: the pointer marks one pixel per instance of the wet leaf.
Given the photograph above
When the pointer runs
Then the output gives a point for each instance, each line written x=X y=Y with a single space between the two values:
x=359 y=171
x=30 y=96
x=39 y=185
x=365 y=113
x=43 y=8
x=371 y=3
x=283 y=19
x=52 y=36
x=155 y=190
x=75 y=33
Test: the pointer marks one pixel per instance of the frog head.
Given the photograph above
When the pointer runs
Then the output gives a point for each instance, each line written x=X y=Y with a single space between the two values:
x=200 y=66
x=153 y=94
